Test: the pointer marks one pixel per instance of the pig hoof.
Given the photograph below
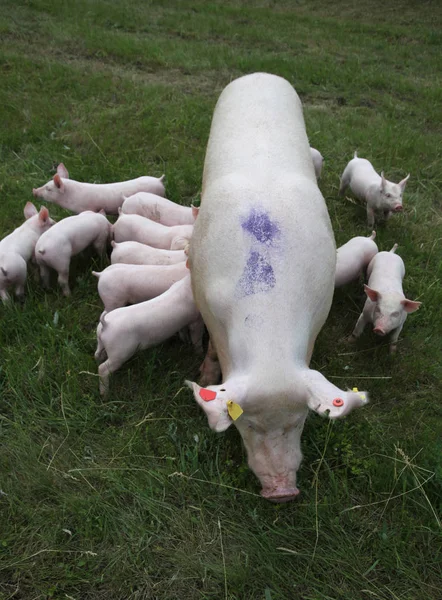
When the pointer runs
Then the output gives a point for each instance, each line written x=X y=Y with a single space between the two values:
x=351 y=339
x=393 y=349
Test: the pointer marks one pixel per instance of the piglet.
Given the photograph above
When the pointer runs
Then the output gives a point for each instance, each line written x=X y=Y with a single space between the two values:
x=78 y=196
x=139 y=229
x=66 y=239
x=318 y=161
x=159 y=209
x=353 y=257
x=382 y=196
x=125 y=330
x=141 y=254
x=122 y=284
x=17 y=248
x=386 y=306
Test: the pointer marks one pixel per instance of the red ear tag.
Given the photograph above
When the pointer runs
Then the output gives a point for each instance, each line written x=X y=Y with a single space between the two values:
x=338 y=402
x=207 y=395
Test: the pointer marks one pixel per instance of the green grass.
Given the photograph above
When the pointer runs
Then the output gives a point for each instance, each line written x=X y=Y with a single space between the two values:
x=134 y=497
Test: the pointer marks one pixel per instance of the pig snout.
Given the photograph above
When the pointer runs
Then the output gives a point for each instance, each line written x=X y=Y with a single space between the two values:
x=280 y=494
x=398 y=208
x=35 y=192
x=379 y=331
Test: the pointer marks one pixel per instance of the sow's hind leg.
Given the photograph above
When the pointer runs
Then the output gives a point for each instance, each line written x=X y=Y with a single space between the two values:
x=210 y=368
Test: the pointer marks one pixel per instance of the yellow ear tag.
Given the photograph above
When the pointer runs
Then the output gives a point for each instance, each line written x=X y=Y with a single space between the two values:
x=362 y=396
x=234 y=410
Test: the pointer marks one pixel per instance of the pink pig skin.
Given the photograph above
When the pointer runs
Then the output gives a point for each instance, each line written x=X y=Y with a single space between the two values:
x=262 y=260
x=386 y=306
x=353 y=257
x=121 y=284
x=141 y=254
x=79 y=197
x=139 y=229
x=66 y=239
x=17 y=249
x=381 y=196
x=159 y=209
x=125 y=330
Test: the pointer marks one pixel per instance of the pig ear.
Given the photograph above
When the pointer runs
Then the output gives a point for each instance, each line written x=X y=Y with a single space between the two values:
x=195 y=211
x=383 y=181
x=372 y=294
x=215 y=408
x=29 y=210
x=410 y=306
x=403 y=183
x=43 y=215
x=58 y=182
x=62 y=171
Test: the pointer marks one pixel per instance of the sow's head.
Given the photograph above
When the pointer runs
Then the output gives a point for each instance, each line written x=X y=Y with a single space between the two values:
x=271 y=421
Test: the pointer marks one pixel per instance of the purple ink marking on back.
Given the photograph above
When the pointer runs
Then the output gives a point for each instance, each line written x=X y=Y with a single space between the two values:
x=258 y=275
x=261 y=227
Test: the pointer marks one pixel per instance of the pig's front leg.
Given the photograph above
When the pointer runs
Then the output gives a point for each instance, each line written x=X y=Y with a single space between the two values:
x=370 y=216
x=210 y=368
x=394 y=338
x=359 y=327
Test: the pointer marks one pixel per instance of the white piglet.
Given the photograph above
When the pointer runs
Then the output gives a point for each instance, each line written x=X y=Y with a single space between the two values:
x=353 y=257
x=386 y=306
x=159 y=209
x=136 y=253
x=122 y=284
x=125 y=330
x=318 y=161
x=139 y=229
x=17 y=249
x=79 y=197
x=382 y=197
x=67 y=238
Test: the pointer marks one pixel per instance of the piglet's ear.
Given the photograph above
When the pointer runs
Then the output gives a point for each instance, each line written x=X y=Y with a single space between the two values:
x=403 y=183
x=372 y=294
x=43 y=215
x=58 y=182
x=410 y=306
x=62 y=171
x=215 y=408
x=383 y=181
x=29 y=210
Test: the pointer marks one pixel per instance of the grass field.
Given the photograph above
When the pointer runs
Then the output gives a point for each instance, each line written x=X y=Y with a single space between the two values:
x=134 y=497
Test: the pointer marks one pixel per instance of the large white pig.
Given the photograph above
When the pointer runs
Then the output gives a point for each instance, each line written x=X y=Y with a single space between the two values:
x=67 y=238
x=159 y=209
x=262 y=260
x=386 y=306
x=135 y=253
x=139 y=229
x=78 y=196
x=122 y=284
x=353 y=257
x=17 y=249
x=128 y=329
x=382 y=196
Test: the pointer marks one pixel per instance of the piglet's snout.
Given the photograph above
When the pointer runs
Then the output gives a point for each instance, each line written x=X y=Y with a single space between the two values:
x=398 y=208
x=280 y=494
x=35 y=192
x=379 y=331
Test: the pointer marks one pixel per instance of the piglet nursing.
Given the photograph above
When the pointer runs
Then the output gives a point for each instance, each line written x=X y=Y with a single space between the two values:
x=122 y=284
x=141 y=254
x=139 y=229
x=159 y=209
x=78 y=196
x=17 y=248
x=353 y=257
x=67 y=238
x=125 y=330
x=382 y=197
x=386 y=306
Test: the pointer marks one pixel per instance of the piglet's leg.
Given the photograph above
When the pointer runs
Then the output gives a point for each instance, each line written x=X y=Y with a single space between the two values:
x=210 y=368
x=359 y=328
x=4 y=296
x=45 y=275
x=394 y=338
x=63 y=280
x=196 y=331
x=370 y=216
